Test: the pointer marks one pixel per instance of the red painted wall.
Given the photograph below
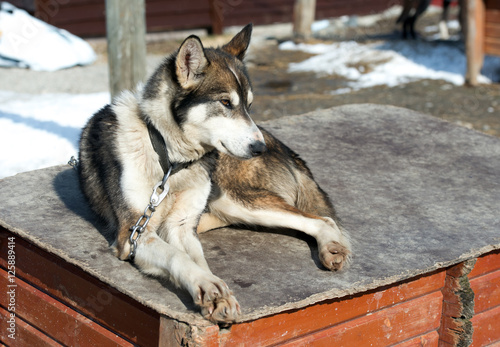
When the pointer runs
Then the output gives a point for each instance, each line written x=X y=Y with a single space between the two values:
x=87 y=17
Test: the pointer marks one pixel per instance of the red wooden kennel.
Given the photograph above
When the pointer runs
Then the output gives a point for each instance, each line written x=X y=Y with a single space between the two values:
x=419 y=195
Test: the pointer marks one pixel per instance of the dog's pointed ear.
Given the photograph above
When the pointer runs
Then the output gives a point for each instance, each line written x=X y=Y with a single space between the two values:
x=190 y=62
x=239 y=43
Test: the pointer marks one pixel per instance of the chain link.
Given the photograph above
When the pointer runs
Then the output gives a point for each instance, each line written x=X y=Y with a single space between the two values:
x=73 y=162
x=137 y=229
x=156 y=198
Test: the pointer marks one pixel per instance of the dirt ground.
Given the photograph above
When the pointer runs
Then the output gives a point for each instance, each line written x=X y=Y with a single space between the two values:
x=280 y=93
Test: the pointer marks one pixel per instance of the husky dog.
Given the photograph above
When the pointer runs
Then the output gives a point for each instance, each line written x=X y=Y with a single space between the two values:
x=192 y=114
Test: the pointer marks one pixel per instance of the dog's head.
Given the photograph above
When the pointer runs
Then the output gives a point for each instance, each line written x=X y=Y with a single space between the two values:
x=213 y=96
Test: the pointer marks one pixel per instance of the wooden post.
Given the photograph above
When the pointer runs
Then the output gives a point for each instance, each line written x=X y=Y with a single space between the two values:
x=216 y=16
x=474 y=39
x=126 y=33
x=303 y=18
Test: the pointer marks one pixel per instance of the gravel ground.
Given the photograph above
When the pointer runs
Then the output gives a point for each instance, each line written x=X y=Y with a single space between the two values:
x=280 y=93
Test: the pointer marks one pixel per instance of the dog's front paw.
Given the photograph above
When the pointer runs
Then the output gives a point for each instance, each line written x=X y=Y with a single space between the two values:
x=217 y=302
x=333 y=255
x=222 y=310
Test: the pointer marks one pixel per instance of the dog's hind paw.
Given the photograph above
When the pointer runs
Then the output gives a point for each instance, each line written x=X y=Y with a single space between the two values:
x=223 y=310
x=334 y=256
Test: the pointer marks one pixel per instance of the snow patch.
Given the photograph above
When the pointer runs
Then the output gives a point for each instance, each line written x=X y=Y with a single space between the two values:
x=389 y=63
x=28 y=42
x=38 y=131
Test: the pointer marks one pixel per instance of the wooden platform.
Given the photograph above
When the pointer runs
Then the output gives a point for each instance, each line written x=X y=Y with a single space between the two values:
x=419 y=195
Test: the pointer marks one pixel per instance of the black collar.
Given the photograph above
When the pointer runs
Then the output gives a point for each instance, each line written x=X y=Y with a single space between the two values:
x=160 y=148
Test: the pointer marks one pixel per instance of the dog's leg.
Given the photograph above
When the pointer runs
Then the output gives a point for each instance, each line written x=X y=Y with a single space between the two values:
x=443 y=23
x=156 y=257
x=270 y=210
x=421 y=8
x=406 y=28
x=208 y=222
x=407 y=5
x=411 y=25
x=179 y=229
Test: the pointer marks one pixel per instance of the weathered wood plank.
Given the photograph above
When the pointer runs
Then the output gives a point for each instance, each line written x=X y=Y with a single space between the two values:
x=492 y=29
x=25 y=334
x=492 y=16
x=487 y=291
x=474 y=39
x=303 y=17
x=458 y=305
x=384 y=327
x=493 y=50
x=58 y=321
x=492 y=45
x=427 y=340
x=486 y=263
x=76 y=288
x=288 y=325
x=126 y=34
x=492 y=4
x=180 y=21
x=486 y=328
x=174 y=333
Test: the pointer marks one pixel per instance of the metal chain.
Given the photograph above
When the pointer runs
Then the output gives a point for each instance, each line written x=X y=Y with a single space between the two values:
x=156 y=198
x=137 y=229
x=73 y=162
x=160 y=191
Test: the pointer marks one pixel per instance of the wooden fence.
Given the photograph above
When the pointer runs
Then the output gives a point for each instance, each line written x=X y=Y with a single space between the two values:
x=87 y=17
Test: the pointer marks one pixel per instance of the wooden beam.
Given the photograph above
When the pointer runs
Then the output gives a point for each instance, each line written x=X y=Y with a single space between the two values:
x=303 y=18
x=458 y=306
x=126 y=33
x=474 y=39
x=216 y=17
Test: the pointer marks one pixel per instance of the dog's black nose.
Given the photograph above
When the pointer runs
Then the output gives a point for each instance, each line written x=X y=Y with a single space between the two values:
x=257 y=148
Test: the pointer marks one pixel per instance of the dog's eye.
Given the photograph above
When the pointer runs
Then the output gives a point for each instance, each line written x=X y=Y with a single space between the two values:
x=250 y=106
x=226 y=103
